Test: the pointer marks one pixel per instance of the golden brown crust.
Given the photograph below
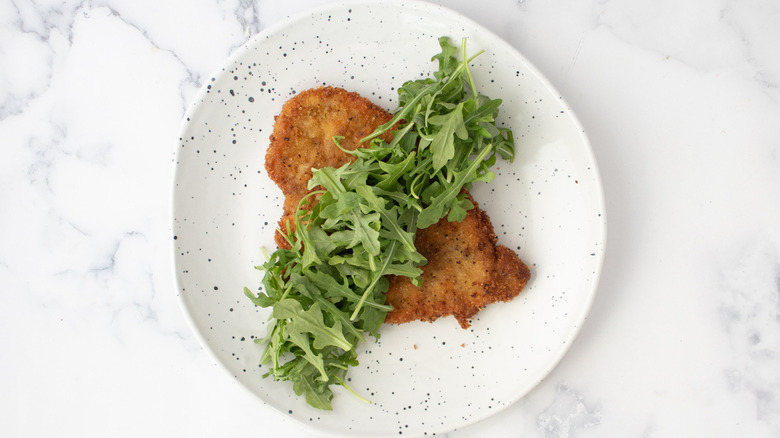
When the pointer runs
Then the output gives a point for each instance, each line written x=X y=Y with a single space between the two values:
x=466 y=270
x=302 y=139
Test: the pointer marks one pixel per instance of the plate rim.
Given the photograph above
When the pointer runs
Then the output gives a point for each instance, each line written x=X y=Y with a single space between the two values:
x=599 y=195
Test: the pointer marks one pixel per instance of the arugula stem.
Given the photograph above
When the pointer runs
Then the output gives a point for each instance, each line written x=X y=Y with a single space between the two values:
x=344 y=384
x=377 y=276
x=300 y=204
x=286 y=291
x=468 y=75
x=399 y=135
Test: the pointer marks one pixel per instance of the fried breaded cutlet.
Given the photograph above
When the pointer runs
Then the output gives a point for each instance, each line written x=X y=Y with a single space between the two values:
x=302 y=139
x=466 y=269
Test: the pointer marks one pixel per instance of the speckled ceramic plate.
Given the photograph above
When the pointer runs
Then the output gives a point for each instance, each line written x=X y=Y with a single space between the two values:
x=422 y=378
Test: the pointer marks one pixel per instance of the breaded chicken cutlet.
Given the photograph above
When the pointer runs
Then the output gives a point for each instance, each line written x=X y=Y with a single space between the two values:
x=466 y=269
x=302 y=139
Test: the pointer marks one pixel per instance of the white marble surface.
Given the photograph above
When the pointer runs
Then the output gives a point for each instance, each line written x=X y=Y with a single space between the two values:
x=681 y=101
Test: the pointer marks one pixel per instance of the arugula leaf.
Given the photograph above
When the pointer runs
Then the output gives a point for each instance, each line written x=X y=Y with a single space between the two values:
x=441 y=203
x=389 y=217
x=329 y=178
x=365 y=234
x=446 y=58
x=258 y=300
x=317 y=395
x=301 y=339
x=310 y=321
x=459 y=209
x=443 y=144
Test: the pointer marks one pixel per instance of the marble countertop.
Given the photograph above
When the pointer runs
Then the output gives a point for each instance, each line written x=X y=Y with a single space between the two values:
x=680 y=100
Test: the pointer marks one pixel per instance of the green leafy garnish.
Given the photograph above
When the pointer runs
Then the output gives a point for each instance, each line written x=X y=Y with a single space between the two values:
x=327 y=292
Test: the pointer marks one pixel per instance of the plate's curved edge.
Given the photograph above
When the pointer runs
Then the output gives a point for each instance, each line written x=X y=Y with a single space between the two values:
x=419 y=4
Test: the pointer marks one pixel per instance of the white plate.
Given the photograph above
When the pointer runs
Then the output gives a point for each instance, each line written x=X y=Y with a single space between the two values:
x=548 y=205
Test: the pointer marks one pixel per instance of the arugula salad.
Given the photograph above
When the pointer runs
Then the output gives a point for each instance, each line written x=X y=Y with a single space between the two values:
x=327 y=292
